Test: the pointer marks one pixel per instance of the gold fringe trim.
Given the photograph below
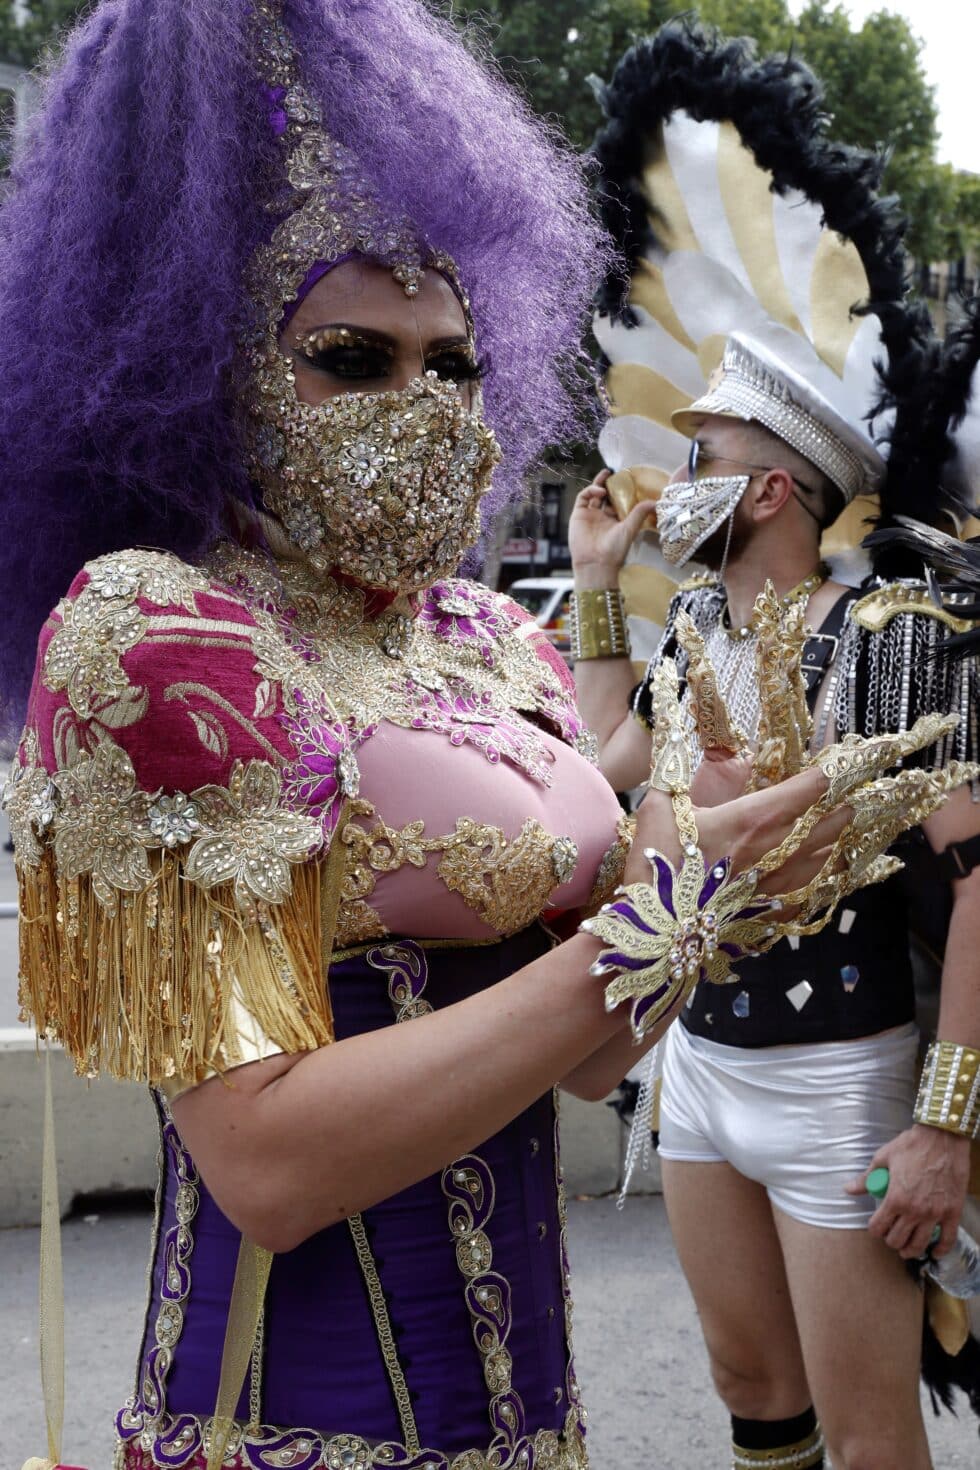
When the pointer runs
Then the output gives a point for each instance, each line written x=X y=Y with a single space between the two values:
x=177 y=982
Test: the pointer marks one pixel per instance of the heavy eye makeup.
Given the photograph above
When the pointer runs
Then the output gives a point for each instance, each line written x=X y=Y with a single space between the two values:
x=356 y=356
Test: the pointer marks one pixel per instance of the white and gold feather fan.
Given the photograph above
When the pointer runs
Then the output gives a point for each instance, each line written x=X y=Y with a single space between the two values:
x=734 y=214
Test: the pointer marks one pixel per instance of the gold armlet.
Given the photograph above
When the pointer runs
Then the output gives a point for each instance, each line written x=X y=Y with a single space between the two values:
x=715 y=728
x=598 y=625
x=949 y=1089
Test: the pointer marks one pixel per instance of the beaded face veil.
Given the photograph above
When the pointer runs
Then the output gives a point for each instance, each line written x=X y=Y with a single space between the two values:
x=385 y=487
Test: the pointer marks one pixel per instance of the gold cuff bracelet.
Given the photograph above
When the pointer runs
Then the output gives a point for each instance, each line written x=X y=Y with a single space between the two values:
x=598 y=625
x=949 y=1089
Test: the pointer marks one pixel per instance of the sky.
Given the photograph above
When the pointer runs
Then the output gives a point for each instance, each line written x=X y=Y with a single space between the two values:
x=948 y=29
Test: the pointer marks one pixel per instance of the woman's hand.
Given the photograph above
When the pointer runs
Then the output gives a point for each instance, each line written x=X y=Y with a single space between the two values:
x=743 y=828
x=597 y=539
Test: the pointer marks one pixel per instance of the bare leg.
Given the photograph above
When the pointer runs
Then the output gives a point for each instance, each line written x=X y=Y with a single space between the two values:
x=730 y=1253
x=859 y=1318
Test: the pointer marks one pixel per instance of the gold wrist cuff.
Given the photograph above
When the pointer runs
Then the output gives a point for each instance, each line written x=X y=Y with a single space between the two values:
x=598 y=625
x=949 y=1089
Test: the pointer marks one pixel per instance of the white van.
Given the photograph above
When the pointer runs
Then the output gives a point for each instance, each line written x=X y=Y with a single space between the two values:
x=546 y=599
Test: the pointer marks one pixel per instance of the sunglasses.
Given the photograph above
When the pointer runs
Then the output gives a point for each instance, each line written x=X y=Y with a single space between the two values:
x=699 y=458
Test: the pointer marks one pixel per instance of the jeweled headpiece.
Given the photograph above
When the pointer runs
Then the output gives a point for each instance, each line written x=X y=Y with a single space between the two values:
x=753 y=384
x=330 y=209
x=762 y=265
x=386 y=487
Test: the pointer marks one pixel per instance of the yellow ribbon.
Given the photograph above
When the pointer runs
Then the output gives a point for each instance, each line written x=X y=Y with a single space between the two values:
x=244 y=1311
x=51 y=1291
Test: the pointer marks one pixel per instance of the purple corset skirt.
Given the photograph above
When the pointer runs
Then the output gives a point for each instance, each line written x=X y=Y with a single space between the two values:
x=469 y=1264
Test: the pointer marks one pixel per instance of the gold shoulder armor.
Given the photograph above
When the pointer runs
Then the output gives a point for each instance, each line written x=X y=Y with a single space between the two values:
x=876 y=610
x=700 y=579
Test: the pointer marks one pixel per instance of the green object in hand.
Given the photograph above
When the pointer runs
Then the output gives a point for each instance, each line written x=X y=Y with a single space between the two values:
x=877 y=1185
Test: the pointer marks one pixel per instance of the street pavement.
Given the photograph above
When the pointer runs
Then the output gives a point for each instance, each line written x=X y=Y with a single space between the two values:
x=640 y=1359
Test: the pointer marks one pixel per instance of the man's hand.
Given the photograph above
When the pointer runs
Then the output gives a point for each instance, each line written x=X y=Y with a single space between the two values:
x=929 y=1170
x=720 y=777
x=597 y=539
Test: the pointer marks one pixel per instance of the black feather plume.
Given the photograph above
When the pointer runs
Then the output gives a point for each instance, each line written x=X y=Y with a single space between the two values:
x=942 y=1373
x=777 y=105
x=929 y=405
x=957 y=560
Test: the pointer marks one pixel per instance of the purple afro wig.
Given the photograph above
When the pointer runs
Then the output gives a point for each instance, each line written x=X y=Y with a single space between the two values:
x=124 y=238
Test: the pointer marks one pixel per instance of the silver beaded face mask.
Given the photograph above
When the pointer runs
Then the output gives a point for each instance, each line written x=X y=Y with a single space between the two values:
x=384 y=487
x=689 y=513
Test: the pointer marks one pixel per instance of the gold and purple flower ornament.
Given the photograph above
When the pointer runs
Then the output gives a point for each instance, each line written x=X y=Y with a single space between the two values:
x=695 y=923
x=466 y=614
x=325 y=772
x=665 y=936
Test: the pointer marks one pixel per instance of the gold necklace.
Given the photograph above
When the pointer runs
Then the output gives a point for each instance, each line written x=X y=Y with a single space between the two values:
x=799 y=593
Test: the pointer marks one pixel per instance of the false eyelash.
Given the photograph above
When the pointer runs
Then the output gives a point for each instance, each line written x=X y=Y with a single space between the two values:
x=348 y=362
x=466 y=369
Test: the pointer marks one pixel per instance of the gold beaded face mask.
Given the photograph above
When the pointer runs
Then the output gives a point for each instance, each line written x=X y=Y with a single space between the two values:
x=384 y=487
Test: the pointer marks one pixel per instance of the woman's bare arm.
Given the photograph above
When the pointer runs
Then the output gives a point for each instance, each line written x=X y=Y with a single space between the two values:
x=293 y=1144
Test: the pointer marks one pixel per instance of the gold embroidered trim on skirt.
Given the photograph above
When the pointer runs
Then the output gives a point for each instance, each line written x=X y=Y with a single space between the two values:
x=550 y=1450
x=358 y=949
x=386 y=1337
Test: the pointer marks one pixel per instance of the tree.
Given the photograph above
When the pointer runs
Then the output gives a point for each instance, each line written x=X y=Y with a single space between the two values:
x=877 y=93
x=963 y=221
x=550 y=47
x=23 y=40
x=768 y=22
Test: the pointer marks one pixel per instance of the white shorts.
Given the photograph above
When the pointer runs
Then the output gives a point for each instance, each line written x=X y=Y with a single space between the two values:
x=800 y=1120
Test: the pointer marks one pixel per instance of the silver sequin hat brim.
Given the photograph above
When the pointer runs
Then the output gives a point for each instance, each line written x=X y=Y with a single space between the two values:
x=754 y=384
